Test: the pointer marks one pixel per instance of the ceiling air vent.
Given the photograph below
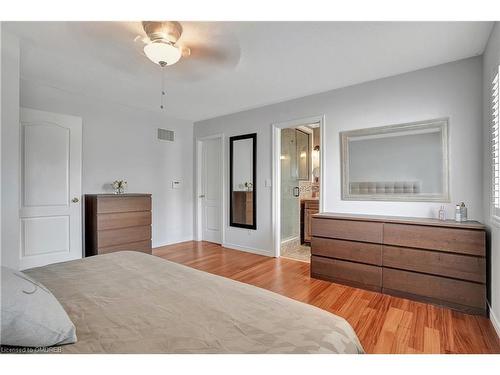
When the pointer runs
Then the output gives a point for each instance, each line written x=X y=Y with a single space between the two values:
x=166 y=135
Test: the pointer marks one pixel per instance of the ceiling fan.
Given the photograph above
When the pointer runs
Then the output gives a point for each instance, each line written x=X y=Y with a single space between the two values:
x=161 y=42
x=161 y=46
x=211 y=48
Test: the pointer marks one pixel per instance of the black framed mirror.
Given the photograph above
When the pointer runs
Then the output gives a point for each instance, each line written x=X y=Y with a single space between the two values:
x=243 y=181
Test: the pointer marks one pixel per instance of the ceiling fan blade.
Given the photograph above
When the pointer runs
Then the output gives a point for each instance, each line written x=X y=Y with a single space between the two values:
x=185 y=51
x=203 y=63
x=215 y=55
x=142 y=38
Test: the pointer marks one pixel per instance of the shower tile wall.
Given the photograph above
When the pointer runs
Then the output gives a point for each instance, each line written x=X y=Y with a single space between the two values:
x=305 y=189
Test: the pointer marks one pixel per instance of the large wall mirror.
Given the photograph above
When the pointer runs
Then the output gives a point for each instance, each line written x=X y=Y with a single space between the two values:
x=406 y=162
x=242 y=180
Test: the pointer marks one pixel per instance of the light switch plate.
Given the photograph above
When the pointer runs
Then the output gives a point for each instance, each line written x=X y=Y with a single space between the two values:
x=268 y=182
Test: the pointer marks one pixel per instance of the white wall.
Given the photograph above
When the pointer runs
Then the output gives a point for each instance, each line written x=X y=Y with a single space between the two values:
x=451 y=90
x=121 y=142
x=10 y=150
x=491 y=59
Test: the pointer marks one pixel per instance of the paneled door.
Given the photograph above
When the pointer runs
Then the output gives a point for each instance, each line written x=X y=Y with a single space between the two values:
x=51 y=166
x=211 y=190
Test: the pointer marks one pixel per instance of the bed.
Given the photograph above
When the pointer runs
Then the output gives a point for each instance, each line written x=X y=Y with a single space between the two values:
x=130 y=302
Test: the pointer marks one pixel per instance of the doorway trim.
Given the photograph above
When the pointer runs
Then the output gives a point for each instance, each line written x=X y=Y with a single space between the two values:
x=198 y=230
x=276 y=170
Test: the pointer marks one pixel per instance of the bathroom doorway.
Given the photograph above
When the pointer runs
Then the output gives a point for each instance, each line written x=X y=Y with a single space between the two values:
x=299 y=188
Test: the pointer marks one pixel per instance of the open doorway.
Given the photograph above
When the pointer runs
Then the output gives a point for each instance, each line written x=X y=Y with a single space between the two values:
x=299 y=188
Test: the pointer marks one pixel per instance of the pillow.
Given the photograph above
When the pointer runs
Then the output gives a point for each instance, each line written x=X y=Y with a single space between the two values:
x=30 y=314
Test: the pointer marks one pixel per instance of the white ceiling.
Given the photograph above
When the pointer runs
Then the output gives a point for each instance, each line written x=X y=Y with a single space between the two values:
x=236 y=65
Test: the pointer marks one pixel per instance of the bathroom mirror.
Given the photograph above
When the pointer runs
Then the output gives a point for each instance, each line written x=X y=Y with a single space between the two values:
x=303 y=153
x=242 y=180
x=406 y=162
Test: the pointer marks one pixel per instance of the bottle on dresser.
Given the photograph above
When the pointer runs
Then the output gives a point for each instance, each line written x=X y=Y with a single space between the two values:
x=460 y=212
x=442 y=214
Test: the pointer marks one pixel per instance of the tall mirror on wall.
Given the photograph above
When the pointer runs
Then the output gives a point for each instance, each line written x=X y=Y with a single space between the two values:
x=242 y=180
x=405 y=162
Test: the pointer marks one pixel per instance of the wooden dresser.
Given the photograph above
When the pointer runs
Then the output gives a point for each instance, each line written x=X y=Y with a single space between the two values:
x=440 y=262
x=115 y=222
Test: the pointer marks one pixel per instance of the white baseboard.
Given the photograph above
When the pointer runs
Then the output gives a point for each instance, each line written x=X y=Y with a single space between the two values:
x=249 y=249
x=494 y=321
x=178 y=240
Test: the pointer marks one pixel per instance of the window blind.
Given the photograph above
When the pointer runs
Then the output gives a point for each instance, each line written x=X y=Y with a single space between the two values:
x=495 y=145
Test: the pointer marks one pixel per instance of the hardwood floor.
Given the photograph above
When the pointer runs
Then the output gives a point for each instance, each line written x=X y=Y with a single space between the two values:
x=384 y=324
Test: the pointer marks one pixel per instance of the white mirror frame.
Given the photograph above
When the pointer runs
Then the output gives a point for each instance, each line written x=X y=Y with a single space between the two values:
x=440 y=124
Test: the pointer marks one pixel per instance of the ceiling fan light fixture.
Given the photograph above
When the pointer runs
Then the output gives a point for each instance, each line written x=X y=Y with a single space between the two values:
x=162 y=53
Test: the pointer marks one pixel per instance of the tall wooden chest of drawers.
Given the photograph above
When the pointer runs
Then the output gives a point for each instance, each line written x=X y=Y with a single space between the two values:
x=115 y=222
x=441 y=262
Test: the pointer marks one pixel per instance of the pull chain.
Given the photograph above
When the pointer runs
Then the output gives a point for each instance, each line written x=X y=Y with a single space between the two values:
x=162 y=98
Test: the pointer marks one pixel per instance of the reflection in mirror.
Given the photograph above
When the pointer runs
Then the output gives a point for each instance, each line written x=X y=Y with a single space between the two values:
x=303 y=152
x=242 y=181
x=407 y=162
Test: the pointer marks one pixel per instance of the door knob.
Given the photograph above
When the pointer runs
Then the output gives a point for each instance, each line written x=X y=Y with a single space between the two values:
x=75 y=200
x=202 y=196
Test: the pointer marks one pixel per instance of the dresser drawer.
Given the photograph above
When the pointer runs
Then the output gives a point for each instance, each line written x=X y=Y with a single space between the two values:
x=347 y=250
x=464 y=241
x=142 y=246
x=123 y=220
x=438 y=263
x=355 y=274
x=106 y=238
x=123 y=204
x=347 y=229
x=435 y=288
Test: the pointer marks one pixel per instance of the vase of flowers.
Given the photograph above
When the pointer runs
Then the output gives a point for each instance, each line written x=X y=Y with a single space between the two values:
x=119 y=186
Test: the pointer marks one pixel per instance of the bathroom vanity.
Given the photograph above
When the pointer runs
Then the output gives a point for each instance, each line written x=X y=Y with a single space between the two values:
x=308 y=208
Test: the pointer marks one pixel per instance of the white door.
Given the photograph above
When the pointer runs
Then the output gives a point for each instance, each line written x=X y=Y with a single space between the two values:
x=211 y=190
x=51 y=165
